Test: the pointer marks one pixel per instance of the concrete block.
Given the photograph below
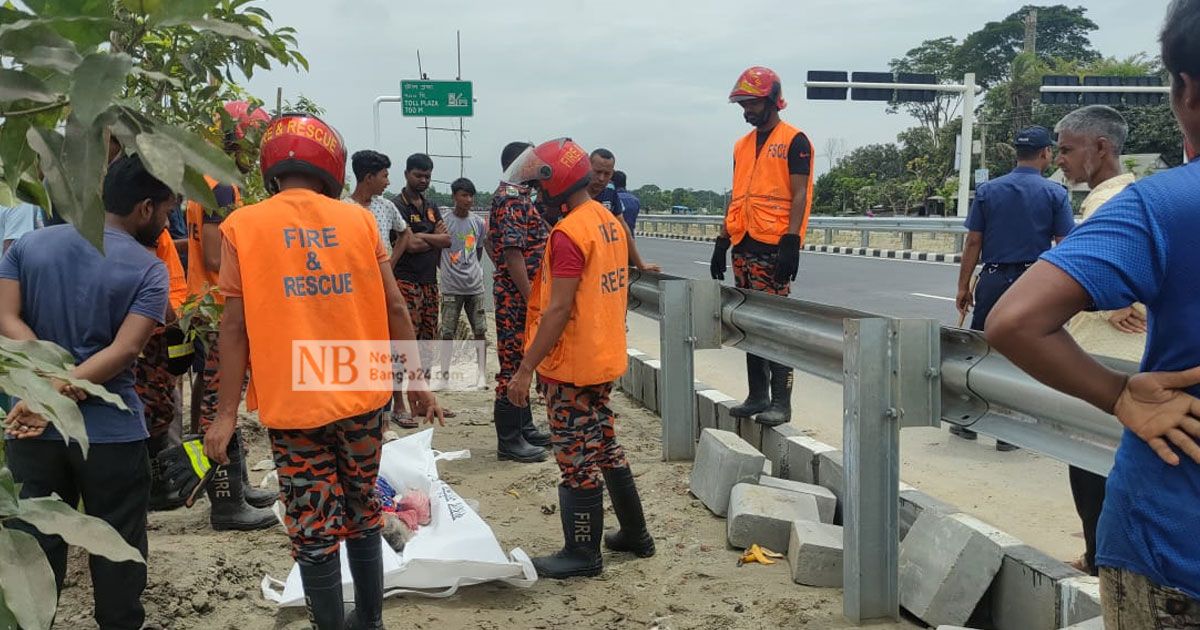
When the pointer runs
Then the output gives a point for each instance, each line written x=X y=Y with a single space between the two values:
x=726 y=422
x=637 y=387
x=946 y=567
x=766 y=471
x=1024 y=594
x=763 y=516
x=815 y=554
x=1095 y=623
x=629 y=382
x=774 y=443
x=800 y=458
x=913 y=502
x=1078 y=600
x=751 y=431
x=650 y=385
x=826 y=502
x=706 y=407
x=723 y=460
x=830 y=475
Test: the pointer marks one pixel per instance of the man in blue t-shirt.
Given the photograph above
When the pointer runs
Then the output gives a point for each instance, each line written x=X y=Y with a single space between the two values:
x=1142 y=246
x=1013 y=220
x=101 y=307
x=630 y=204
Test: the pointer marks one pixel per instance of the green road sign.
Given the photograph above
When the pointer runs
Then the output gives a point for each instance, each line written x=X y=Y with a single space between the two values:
x=437 y=98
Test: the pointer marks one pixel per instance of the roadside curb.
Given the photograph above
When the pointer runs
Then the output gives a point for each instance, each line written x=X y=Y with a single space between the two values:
x=1028 y=589
x=870 y=252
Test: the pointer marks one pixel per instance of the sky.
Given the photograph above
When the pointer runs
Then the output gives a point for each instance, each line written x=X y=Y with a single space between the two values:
x=647 y=79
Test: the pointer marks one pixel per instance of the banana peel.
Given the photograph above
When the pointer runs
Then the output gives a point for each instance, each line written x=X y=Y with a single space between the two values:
x=759 y=555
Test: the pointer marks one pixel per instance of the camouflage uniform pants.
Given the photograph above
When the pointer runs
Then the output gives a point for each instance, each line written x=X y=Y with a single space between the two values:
x=155 y=385
x=757 y=271
x=510 y=334
x=327 y=483
x=423 y=304
x=211 y=381
x=1132 y=602
x=582 y=433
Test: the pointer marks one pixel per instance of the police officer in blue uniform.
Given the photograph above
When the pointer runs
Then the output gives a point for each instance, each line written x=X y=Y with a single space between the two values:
x=1013 y=220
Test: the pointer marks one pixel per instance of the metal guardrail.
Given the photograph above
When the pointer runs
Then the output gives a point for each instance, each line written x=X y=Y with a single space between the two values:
x=865 y=226
x=895 y=373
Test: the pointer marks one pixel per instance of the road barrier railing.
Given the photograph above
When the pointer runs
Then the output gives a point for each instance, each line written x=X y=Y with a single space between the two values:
x=895 y=373
x=948 y=232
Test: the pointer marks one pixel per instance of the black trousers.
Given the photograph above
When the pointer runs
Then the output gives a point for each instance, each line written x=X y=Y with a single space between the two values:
x=1087 y=488
x=114 y=484
x=994 y=280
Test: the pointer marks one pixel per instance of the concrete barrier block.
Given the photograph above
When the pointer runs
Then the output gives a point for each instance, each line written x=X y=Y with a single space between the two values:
x=763 y=516
x=815 y=554
x=800 y=458
x=774 y=443
x=726 y=422
x=1095 y=623
x=830 y=475
x=706 y=407
x=1024 y=595
x=751 y=431
x=650 y=385
x=826 y=502
x=723 y=460
x=1078 y=600
x=913 y=502
x=629 y=382
x=946 y=567
x=637 y=383
x=767 y=469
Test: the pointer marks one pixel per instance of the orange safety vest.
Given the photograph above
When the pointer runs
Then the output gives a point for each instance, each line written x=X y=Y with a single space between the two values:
x=761 y=202
x=591 y=349
x=199 y=278
x=166 y=252
x=309 y=272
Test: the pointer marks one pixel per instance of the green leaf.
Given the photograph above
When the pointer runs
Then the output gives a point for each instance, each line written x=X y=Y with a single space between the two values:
x=7 y=197
x=98 y=80
x=14 y=150
x=196 y=188
x=63 y=60
x=9 y=501
x=162 y=158
x=174 y=10
x=74 y=167
x=40 y=395
x=35 y=352
x=34 y=193
x=26 y=579
x=228 y=29
x=70 y=8
x=202 y=156
x=7 y=620
x=16 y=85
x=156 y=76
x=83 y=31
x=54 y=518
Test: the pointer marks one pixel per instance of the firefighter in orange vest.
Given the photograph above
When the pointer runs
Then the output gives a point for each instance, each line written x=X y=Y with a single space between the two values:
x=234 y=503
x=575 y=341
x=304 y=266
x=765 y=223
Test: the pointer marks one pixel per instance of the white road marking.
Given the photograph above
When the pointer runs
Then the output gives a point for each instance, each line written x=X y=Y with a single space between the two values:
x=701 y=262
x=933 y=297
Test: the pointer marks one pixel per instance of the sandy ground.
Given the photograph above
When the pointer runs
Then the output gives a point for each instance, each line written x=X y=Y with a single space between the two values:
x=204 y=579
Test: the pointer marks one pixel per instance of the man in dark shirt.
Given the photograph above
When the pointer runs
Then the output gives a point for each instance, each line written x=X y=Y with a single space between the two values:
x=1012 y=222
x=416 y=273
x=631 y=205
x=102 y=308
x=516 y=240
x=603 y=166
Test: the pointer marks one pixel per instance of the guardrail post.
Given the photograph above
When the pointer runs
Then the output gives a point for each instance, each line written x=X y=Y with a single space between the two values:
x=906 y=240
x=958 y=243
x=871 y=442
x=829 y=236
x=864 y=240
x=676 y=385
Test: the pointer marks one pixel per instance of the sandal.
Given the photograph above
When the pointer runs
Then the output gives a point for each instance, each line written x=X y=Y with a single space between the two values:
x=404 y=420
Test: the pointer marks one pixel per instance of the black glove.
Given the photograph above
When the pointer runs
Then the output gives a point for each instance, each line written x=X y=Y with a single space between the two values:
x=789 y=258
x=180 y=351
x=717 y=267
x=184 y=470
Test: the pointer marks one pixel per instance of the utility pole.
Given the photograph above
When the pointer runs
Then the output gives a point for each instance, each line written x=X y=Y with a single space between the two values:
x=1031 y=19
x=983 y=125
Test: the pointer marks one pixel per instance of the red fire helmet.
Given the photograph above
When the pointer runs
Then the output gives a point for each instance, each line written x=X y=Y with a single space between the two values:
x=299 y=143
x=559 y=167
x=245 y=116
x=758 y=82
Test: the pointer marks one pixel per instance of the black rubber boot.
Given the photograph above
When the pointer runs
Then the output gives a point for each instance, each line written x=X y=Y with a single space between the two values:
x=366 y=567
x=780 y=411
x=228 y=509
x=255 y=496
x=530 y=431
x=510 y=443
x=757 y=375
x=582 y=513
x=633 y=536
x=323 y=593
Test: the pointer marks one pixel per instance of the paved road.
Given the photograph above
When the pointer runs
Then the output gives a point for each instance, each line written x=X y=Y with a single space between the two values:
x=898 y=288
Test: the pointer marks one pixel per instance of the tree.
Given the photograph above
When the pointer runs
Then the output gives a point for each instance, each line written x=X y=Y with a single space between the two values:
x=1062 y=32
x=304 y=105
x=835 y=148
x=939 y=57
